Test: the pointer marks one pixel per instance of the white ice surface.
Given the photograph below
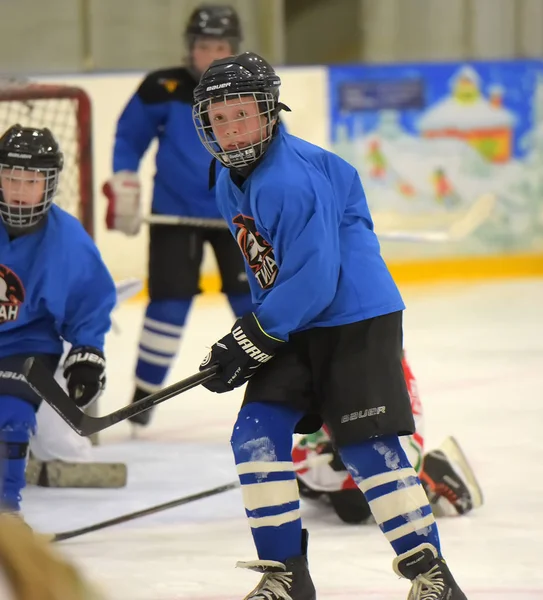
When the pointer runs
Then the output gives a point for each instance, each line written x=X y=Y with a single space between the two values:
x=477 y=352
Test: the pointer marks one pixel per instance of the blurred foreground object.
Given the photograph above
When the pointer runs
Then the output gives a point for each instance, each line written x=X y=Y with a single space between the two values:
x=31 y=570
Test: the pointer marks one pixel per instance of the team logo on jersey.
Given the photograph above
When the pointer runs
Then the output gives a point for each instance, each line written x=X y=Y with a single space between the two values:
x=258 y=253
x=12 y=295
x=169 y=84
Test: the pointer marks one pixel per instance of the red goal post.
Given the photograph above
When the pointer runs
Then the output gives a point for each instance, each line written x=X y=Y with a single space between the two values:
x=67 y=112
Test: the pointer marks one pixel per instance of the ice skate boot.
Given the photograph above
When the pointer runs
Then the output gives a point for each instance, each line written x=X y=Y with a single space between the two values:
x=429 y=574
x=282 y=581
x=447 y=474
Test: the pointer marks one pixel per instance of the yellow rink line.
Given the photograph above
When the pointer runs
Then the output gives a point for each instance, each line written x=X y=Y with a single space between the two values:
x=461 y=269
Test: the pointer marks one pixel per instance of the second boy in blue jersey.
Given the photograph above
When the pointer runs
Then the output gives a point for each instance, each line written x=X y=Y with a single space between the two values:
x=53 y=287
x=324 y=343
x=161 y=109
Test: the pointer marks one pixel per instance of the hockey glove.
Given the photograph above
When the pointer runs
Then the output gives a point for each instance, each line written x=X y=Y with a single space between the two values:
x=239 y=354
x=85 y=373
x=123 y=193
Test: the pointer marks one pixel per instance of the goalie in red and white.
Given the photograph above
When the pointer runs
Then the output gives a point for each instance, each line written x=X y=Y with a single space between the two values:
x=448 y=479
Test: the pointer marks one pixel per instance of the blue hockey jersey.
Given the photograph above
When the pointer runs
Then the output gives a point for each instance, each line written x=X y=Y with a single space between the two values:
x=162 y=108
x=302 y=222
x=53 y=286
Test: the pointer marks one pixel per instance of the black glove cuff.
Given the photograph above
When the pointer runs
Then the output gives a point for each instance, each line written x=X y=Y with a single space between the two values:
x=253 y=340
x=84 y=355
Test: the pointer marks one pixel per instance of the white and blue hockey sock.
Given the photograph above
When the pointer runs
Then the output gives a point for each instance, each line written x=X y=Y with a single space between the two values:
x=241 y=304
x=159 y=341
x=262 y=444
x=17 y=424
x=393 y=490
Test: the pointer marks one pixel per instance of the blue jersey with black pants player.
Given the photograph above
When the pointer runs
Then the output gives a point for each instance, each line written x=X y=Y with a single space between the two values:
x=54 y=286
x=323 y=343
x=327 y=305
x=161 y=109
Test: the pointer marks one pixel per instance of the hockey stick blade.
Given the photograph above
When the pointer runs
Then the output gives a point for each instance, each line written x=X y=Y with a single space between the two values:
x=44 y=384
x=476 y=215
x=66 y=535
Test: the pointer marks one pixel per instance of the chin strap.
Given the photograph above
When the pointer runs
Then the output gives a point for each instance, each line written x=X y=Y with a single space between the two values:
x=280 y=106
x=212 y=177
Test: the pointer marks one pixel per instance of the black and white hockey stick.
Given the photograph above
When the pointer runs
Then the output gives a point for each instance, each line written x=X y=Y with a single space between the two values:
x=473 y=218
x=44 y=384
x=66 y=535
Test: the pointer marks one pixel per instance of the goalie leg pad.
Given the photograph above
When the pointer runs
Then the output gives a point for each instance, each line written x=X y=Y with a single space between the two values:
x=59 y=474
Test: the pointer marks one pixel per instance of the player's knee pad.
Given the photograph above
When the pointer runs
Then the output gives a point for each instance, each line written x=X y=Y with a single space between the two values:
x=17 y=424
x=374 y=457
x=263 y=431
x=241 y=304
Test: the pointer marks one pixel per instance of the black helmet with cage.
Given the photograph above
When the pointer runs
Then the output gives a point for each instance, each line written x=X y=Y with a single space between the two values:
x=214 y=21
x=30 y=163
x=231 y=81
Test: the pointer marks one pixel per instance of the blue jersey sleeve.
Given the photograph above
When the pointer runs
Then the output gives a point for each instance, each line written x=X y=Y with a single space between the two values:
x=301 y=226
x=139 y=123
x=91 y=298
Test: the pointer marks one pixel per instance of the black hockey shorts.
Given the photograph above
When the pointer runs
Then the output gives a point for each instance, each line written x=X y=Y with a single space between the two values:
x=350 y=377
x=175 y=258
x=12 y=380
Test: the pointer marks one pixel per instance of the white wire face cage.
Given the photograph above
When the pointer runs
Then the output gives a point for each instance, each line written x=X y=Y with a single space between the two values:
x=236 y=128
x=26 y=194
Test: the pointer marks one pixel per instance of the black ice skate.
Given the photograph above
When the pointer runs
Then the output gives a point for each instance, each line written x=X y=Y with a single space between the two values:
x=288 y=581
x=429 y=573
x=447 y=474
x=144 y=418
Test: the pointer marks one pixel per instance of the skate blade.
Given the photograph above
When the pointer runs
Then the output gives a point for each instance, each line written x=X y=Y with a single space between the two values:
x=451 y=448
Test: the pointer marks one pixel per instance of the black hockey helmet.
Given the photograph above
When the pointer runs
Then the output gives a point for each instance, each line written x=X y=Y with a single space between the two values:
x=216 y=21
x=234 y=80
x=27 y=155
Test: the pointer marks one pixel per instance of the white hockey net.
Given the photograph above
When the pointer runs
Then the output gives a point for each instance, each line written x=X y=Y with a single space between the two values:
x=66 y=111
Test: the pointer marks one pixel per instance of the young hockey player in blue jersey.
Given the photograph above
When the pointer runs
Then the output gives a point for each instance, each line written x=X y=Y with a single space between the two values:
x=324 y=343
x=162 y=108
x=53 y=287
